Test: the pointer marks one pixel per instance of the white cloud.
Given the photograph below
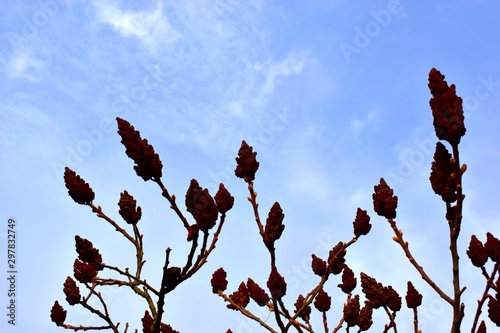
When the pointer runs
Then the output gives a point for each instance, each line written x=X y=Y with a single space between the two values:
x=308 y=178
x=357 y=125
x=236 y=108
x=26 y=133
x=150 y=27
x=21 y=62
x=293 y=64
x=312 y=131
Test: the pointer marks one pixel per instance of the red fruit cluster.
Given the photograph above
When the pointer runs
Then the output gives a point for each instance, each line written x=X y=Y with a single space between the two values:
x=147 y=323
x=361 y=224
x=322 y=302
x=354 y=316
x=384 y=200
x=372 y=289
x=494 y=309
x=351 y=311
x=336 y=259
x=446 y=109
x=276 y=284
x=241 y=297
x=171 y=278
x=83 y=271
x=202 y=206
x=257 y=293
x=71 y=291
x=482 y=327
x=246 y=163
x=89 y=260
x=318 y=265
x=378 y=295
x=348 y=280
x=392 y=299
x=477 y=252
x=148 y=165
x=413 y=297
x=306 y=312
x=78 y=189
x=218 y=281
x=223 y=199
x=128 y=208
x=492 y=247
x=274 y=226
x=442 y=181
x=365 y=318
x=87 y=252
x=57 y=314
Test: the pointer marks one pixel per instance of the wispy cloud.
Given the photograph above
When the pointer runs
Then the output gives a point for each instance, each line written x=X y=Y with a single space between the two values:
x=22 y=64
x=293 y=64
x=150 y=27
x=358 y=124
x=40 y=134
x=313 y=130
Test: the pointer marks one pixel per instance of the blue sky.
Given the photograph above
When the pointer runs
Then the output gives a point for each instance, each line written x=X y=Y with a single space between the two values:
x=331 y=94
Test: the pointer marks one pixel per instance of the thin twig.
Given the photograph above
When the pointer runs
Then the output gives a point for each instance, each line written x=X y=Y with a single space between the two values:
x=246 y=312
x=489 y=285
x=399 y=239
x=171 y=200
